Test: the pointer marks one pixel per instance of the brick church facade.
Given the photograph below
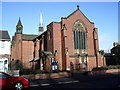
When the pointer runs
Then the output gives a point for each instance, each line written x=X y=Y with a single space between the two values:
x=71 y=42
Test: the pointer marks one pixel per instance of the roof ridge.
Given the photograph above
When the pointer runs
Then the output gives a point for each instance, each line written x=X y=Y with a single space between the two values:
x=80 y=12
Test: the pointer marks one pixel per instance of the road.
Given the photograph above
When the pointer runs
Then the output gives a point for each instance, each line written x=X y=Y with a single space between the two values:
x=106 y=82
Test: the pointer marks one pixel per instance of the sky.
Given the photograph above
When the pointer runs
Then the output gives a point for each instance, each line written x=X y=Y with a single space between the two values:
x=119 y=22
x=103 y=14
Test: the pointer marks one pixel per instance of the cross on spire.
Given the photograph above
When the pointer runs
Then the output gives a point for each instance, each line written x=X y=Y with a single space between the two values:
x=78 y=7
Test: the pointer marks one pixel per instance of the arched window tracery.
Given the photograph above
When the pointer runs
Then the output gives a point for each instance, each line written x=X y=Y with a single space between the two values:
x=80 y=35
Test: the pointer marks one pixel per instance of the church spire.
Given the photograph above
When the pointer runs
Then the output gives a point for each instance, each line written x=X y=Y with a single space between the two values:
x=19 y=27
x=41 y=25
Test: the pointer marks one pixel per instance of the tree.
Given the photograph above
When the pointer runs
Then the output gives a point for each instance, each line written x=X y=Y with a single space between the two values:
x=16 y=65
x=116 y=54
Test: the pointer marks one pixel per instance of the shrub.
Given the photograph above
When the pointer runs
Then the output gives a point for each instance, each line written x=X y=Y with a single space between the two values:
x=118 y=66
x=106 y=67
x=99 y=68
x=26 y=71
x=38 y=71
x=113 y=67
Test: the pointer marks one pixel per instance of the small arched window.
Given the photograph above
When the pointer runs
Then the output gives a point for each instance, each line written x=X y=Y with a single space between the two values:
x=49 y=35
x=80 y=35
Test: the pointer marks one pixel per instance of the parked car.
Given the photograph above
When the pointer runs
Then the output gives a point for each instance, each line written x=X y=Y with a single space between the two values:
x=10 y=82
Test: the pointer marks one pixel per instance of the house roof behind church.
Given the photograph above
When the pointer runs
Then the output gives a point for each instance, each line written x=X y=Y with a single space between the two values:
x=28 y=37
x=4 y=35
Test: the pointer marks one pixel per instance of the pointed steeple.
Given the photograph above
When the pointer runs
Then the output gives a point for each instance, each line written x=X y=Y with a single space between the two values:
x=19 y=27
x=41 y=25
x=19 y=22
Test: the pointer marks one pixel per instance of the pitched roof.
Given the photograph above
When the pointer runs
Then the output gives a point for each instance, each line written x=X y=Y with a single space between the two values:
x=28 y=37
x=80 y=12
x=40 y=36
x=4 y=35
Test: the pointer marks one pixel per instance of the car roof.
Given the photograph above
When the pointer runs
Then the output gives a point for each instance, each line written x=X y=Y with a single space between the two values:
x=5 y=73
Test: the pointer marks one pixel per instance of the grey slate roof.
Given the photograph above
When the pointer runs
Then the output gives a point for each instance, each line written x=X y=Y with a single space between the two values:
x=28 y=37
x=4 y=35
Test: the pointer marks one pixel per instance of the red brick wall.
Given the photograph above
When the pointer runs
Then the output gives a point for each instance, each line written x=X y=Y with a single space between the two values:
x=50 y=41
x=17 y=47
x=36 y=48
x=27 y=52
x=48 y=65
x=91 y=62
x=101 y=60
x=22 y=50
x=57 y=43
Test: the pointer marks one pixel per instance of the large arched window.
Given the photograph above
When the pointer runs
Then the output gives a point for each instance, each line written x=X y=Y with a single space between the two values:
x=80 y=35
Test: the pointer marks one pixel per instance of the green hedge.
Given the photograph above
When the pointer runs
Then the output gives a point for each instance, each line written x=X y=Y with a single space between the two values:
x=99 y=68
x=26 y=71
x=30 y=71
x=113 y=67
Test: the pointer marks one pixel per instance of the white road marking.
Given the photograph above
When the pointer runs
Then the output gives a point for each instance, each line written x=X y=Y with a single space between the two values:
x=34 y=85
x=75 y=81
x=67 y=82
x=47 y=84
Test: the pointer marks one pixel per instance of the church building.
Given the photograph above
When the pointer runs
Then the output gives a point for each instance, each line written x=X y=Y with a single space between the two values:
x=71 y=42
x=22 y=48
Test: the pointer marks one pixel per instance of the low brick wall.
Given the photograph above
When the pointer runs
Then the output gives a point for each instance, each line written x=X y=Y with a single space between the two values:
x=105 y=71
x=45 y=76
x=113 y=71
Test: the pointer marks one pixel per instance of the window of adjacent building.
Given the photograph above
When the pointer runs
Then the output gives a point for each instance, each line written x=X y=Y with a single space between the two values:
x=80 y=35
x=2 y=45
x=1 y=65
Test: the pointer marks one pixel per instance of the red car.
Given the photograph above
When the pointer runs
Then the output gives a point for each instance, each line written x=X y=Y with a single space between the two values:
x=13 y=83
